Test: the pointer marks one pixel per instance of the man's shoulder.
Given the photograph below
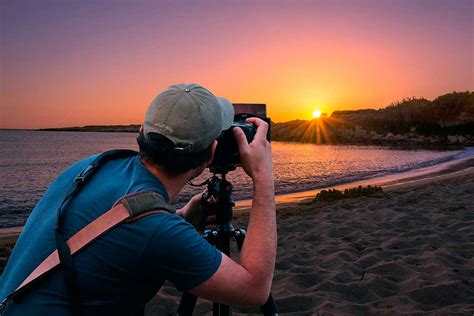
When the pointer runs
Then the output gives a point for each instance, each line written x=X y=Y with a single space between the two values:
x=126 y=176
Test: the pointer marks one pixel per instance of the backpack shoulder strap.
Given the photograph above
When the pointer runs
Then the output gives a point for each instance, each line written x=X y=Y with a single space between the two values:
x=64 y=252
x=128 y=208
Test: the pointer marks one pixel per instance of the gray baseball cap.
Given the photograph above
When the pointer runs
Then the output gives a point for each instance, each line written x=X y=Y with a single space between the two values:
x=189 y=115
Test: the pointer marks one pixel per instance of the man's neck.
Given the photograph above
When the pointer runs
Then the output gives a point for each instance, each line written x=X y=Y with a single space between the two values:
x=172 y=184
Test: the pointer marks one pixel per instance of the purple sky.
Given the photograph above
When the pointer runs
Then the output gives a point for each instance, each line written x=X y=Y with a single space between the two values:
x=69 y=63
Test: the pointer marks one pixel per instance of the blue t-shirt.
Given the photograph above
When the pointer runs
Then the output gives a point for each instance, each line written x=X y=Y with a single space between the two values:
x=120 y=271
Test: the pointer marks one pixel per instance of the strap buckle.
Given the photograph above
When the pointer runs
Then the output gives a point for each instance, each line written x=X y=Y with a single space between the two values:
x=84 y=173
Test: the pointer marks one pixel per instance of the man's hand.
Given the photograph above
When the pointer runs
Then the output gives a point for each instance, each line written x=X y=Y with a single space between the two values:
x=256 y=157
x=192 y=211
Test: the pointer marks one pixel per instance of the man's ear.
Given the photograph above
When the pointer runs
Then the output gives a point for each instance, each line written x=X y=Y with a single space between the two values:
x=213 y=150
x=141 y=128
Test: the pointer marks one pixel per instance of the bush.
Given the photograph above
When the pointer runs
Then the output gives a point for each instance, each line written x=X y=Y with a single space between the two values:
x=333 y=194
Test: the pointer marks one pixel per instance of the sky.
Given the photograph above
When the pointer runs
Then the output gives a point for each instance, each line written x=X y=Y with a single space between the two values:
x=74 y=63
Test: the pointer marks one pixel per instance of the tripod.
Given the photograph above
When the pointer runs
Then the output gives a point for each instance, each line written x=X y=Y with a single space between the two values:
x=221 y=190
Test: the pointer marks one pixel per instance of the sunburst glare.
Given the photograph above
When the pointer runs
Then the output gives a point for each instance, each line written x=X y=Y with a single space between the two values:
x=316 y=113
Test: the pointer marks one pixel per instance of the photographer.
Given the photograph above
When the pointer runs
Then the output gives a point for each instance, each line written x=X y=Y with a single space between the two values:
x=120 y=271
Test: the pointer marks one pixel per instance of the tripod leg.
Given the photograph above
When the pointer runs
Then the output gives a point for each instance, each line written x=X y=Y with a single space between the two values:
x=269 y=308
x=221 y=310
x=188 y=301
x=239 y=235
x=186 y=306
x=222 y=242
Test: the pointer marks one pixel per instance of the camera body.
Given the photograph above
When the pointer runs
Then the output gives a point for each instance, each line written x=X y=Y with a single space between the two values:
x=227 y=158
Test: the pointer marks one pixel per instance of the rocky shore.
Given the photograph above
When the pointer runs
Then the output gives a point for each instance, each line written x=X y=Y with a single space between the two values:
x=359 y=135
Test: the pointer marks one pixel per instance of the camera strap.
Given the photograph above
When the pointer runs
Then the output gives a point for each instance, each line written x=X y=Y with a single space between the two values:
x=128 y=208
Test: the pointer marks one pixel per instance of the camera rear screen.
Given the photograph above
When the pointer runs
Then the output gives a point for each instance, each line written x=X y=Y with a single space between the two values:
x=258 y=109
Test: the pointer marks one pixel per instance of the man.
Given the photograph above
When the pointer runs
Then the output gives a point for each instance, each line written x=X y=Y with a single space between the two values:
x=121 y=270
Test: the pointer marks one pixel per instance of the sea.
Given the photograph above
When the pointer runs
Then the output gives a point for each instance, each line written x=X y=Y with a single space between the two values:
x=31 y=160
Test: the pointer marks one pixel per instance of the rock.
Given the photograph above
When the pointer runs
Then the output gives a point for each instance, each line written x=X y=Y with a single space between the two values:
x=452 y=139
x=461 y=139
x=360 y=133
x=347 y=132
x=399 y=137
x=375 y=136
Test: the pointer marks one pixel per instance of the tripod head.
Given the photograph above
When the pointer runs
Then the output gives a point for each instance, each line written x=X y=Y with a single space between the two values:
x=220 y=191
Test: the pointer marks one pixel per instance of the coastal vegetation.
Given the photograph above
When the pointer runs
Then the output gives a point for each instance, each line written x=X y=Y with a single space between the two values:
x=449 y=113
x=334 y=194
x=132 y=128
x=448 y=119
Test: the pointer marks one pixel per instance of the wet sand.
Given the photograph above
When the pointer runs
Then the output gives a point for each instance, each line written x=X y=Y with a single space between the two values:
x=412 y=178
x=407 y=250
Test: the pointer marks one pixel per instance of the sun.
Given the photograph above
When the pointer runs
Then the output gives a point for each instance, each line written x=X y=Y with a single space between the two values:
x=316 y=113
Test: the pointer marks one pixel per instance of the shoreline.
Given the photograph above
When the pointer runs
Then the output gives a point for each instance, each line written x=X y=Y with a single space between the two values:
x=412 y=178
x=423 y=176
x=441 y=144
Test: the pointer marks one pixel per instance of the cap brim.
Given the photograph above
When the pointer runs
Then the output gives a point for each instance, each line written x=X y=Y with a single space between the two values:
x=227 y=112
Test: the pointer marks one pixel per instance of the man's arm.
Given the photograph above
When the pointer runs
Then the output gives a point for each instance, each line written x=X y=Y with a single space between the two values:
x=248 y=282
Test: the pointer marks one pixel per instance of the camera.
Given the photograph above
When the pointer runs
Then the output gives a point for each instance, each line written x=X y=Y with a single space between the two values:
x=226 y=158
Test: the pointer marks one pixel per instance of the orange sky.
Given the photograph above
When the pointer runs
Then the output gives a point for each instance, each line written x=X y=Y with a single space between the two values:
x=103 y=62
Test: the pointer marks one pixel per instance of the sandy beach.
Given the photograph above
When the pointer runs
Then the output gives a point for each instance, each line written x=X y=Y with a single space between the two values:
x=407 y=250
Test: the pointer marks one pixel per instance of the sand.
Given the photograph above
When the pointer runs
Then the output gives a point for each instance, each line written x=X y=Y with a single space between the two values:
x=400 y=252
x=409 y=250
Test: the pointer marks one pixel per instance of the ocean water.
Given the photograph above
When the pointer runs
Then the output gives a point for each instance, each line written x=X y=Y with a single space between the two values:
x=30 y=161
